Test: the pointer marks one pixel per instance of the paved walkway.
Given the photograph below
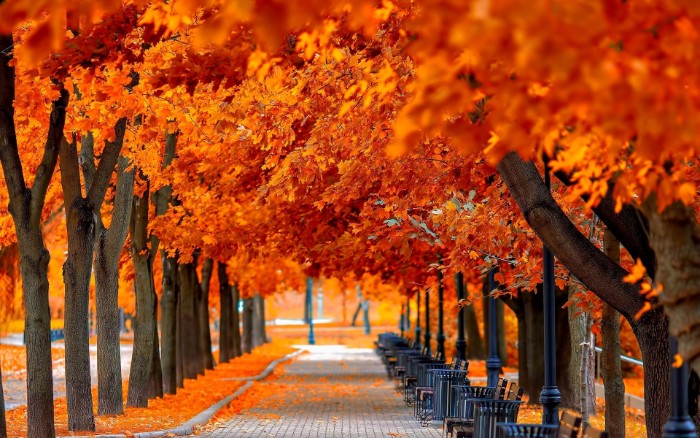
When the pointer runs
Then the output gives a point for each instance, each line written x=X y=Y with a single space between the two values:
x=329 y=392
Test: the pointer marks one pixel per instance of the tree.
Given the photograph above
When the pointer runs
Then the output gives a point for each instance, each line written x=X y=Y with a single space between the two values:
x=77 y=270
x=26 y=204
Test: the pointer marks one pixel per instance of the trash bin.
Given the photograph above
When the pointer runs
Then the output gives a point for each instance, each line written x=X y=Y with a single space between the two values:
x=444 y=379
x=489 y=412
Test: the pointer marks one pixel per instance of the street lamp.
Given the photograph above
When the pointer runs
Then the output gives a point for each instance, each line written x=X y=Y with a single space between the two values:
x=426 y=338
x=461 y=344
x=550 y=397
x=416 y=342
x=310 y=306
x=441 y=332
x=679 y=424
x=493 y=362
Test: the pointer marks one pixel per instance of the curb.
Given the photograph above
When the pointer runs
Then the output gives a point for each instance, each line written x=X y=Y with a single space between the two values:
x=203 y=417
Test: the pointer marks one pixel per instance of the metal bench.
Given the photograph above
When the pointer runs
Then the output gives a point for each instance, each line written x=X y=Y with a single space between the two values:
x=569 y=427
x=464 y=396
x=488 y=412
x=436 y=379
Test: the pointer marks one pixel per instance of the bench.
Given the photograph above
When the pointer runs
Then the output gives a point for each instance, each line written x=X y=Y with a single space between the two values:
x=463 y=412
x=425 y=392
x=488 y=412
x=569 y=427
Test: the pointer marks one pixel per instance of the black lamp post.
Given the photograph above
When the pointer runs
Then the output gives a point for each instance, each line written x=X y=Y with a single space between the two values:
x=679 y=424
x=461 y=344
x=426 y=337
x=408 y=314
x=441 y=332
x=493 y=362
x=310 y=304
x=550 y=397
x=401 y=318
x=416 y=342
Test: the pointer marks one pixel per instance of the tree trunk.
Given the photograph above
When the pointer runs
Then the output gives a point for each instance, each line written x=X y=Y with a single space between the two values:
x=600 y=274
x=365 y=316
x=203 y=315
x=76 y=277
x=237 y=348
x=581 y=375
x=257 y=332
x=675 y=237
x=191 y=351
x=356 y=314
x=170 y=283
x=259 y=317
x=25 y=207
x=247 y=325
x=110 y=242
x=145 y=376
x=110 y=399
x=611 y=366
x=475 y=343
x=226 y=316
x=168 y=323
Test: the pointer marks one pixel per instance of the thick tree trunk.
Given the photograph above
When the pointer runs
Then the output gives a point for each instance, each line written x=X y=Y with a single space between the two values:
x=237 y=347
x=600 y=274
x=611 y=366
x=26 y=206
x=76 y=277
x=110 y=400
x=109 y=366
x=675 y=238
x=145 y=376
x=203 y=315
x=189 y=346
x=170 y=284
x=247 y=325
x=475 y=344
x=226 y=316
x=34 y=269
x=168 y=323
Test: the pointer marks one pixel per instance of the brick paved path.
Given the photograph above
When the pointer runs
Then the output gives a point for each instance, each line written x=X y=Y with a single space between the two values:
x=329 y=392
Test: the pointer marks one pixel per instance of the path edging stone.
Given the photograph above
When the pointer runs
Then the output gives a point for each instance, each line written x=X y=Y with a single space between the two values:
x=203 y=417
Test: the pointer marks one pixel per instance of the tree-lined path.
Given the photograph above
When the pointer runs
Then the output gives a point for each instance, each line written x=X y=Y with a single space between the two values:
x=328 y=392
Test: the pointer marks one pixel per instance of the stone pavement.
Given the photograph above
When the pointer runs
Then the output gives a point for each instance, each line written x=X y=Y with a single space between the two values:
x=331 y=391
